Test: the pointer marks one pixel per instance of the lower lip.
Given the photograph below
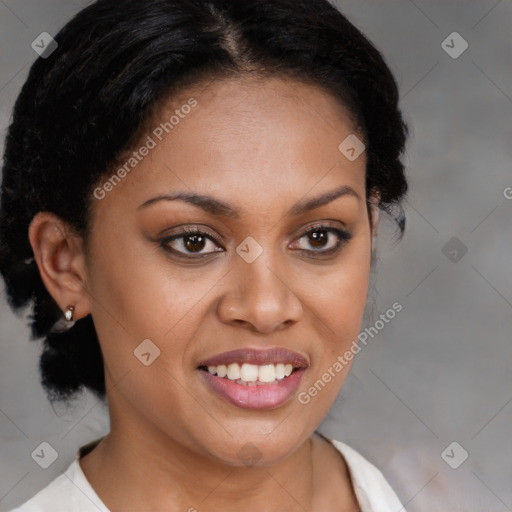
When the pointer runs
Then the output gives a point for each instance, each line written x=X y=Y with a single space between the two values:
x=267 y=396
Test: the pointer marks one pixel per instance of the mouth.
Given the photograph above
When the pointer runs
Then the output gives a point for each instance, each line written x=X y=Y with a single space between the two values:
x=254 y=379
x=251 y=374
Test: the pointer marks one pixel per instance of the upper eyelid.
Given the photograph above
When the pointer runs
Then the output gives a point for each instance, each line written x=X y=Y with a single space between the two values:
x=203 y=230
x=342 y=234
x=191 y=231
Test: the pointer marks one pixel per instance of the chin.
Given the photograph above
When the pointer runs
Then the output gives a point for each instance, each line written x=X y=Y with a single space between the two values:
x=261 y=450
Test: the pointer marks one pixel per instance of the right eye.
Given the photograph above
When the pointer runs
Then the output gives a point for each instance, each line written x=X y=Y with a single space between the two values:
x=191 y=243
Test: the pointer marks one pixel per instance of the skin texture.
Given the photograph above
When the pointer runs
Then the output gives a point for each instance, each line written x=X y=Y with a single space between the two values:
x=260 y=146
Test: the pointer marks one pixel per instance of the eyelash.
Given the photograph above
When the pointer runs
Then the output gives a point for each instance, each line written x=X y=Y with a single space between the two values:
x=343 y=238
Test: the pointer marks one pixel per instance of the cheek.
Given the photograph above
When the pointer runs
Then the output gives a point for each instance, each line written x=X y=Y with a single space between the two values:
x=139 y=294
x=138 y=298
x=338 y=305
x=346 y=302
x=340 y=294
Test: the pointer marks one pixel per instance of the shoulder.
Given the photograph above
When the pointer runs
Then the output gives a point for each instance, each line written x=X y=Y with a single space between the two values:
x=70 y=491
x=55 y=496
x=372 y=490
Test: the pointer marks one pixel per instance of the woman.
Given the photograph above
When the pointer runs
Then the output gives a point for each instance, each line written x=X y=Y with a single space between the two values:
x=191 y=192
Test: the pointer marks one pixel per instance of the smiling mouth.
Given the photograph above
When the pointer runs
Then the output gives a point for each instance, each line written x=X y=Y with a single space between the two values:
x=248 y=374
x=254 y=378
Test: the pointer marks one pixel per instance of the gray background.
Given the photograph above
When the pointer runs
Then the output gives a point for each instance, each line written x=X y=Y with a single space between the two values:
x=440 y=371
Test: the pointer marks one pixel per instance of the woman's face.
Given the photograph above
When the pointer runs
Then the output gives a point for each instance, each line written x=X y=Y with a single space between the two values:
x=248 y=168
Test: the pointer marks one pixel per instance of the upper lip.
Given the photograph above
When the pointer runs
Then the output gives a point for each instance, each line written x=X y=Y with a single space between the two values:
x=274 y=355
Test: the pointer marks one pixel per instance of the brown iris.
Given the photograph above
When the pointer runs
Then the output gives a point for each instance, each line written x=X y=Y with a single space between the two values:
x=318 y=238
x=195 y=243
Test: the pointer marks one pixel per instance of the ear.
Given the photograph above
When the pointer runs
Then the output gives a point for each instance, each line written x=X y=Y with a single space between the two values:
x=374 y=214
x=58 y=252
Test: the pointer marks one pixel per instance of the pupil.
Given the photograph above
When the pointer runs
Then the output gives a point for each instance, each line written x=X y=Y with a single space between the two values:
x=318 y=238
x=195 y=243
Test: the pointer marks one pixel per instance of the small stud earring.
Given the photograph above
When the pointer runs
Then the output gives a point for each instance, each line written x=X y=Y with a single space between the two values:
x=69 y=313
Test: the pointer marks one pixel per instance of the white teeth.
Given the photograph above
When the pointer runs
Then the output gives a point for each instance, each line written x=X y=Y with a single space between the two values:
x=252 y=373
x=249 y=372
x=233 y=371
x=267 y=373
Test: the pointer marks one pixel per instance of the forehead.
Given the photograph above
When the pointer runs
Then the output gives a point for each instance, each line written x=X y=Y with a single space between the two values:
x=252 y=139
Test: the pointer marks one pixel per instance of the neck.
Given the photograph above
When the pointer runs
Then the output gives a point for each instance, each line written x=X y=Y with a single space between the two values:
x=134 y=469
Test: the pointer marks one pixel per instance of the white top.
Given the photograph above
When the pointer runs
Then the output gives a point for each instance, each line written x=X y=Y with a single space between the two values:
x=72 y=492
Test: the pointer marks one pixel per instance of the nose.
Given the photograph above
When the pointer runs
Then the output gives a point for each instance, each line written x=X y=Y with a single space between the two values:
x=259 y=298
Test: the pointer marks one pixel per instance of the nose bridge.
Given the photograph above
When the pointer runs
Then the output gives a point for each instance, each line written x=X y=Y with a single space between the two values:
x=260 y=281
x=260 y=294
x=258 y=263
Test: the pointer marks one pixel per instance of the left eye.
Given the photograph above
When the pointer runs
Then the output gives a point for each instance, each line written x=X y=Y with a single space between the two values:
x=322 y=239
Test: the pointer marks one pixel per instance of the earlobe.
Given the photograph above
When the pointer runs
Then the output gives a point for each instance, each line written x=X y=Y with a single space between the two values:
x=59 y=258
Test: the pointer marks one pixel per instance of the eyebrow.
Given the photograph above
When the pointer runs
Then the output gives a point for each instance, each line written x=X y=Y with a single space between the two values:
x=207 y=203
x=323 y=199
x=219 y=207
